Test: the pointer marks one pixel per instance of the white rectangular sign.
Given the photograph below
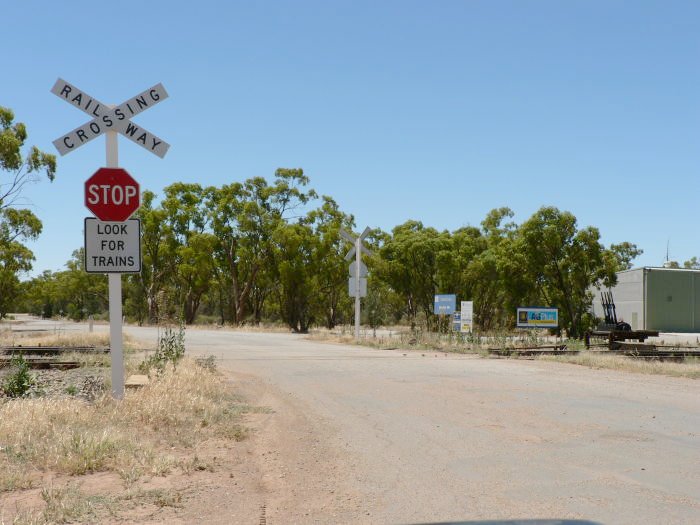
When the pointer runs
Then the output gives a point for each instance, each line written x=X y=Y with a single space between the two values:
x=353 y=269
x=351 y=287
x=467 y=319
x=112 y=247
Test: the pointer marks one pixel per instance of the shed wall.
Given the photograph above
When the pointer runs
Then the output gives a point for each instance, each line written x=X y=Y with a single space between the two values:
x=671 y=300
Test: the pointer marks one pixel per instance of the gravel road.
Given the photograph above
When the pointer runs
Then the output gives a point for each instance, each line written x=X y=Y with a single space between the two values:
x=368 y=436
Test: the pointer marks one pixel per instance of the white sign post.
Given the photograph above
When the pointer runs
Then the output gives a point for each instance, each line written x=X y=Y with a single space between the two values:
x=110 y=120
x=356 y=270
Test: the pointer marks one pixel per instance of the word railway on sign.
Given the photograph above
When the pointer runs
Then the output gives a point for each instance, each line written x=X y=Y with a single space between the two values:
x=108 y=118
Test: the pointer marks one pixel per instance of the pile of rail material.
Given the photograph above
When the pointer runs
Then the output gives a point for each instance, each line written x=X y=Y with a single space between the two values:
x=651 y=352
x=46 y=357
x=614 y=339
x=531 y=351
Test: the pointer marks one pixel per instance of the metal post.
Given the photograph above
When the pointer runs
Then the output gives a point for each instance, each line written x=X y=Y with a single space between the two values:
x=115 y=296
x=358 y=246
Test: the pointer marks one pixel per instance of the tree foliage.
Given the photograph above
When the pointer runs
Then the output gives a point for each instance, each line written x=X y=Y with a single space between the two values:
x=17 y=225
x=254 y=251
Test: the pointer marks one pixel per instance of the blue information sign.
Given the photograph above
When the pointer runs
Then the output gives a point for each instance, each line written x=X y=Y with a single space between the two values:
x=445 y=304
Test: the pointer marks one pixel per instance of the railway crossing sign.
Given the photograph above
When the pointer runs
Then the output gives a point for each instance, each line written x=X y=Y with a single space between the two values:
x=112 y=194
x=110 y=118
x=113 y=244
x=356 y=241
x=357 y=284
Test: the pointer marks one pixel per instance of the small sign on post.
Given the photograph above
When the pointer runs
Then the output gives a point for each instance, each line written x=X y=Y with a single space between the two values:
x=112 y=247
x=112 y=194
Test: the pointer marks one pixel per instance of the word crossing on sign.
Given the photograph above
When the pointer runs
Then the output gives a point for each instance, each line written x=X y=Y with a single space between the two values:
x=107 y=118
x=112 y=194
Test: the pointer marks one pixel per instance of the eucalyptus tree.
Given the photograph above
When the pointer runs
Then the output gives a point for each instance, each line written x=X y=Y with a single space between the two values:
x=331 y=267
x=189 y=246
x=564 y=263
x=243 y=218
x=17 y=225
x=409 y=265
x=157 y=261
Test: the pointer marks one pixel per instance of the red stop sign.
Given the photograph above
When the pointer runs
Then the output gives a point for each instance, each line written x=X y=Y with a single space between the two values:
x=112 y=194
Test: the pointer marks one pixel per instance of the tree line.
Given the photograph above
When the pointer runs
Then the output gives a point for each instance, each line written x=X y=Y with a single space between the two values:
x=271 y=251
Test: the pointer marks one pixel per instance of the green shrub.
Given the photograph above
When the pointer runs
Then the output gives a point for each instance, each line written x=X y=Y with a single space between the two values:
x=171 y=348
x=18 y=383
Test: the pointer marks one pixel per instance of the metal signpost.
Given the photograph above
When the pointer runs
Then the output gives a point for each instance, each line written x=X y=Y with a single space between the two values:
x=357 y=285
x=112 y=247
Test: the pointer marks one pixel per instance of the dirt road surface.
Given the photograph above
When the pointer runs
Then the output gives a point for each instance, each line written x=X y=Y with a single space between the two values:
x=356 y=435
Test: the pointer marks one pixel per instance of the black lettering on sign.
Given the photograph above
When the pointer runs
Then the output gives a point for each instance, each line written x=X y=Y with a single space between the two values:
x=87 y=106
x=108 y=121
x=142 y=102
x=155 y=143
x=142 y=139
x=154 y=95
x=128 y=106
x=78 y=98
x=131 y=129
x=95 y=128
x=81 y=135
x=130 y=260
x=119 y=114
x=94 y=111
x=66 y=89
x=69 y=145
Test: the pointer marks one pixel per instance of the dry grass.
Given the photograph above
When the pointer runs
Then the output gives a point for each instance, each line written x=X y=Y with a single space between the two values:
x=150 y=433
x=98 y=339
x=689 y=369
x=458 y=343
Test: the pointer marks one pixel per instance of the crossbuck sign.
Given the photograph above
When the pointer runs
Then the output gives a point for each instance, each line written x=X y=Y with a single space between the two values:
x=357 y=283
x=106 y=118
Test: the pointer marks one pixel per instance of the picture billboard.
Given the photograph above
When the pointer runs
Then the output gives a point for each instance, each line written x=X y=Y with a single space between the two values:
x=537 y=317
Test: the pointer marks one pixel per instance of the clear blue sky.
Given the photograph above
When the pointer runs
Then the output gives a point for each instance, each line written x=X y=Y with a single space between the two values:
x=434 y=111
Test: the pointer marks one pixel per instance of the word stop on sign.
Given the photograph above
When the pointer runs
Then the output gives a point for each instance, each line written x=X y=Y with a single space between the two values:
x=111 y=195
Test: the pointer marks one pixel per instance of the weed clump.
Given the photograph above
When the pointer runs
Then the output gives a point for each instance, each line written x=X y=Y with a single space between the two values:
x=171 y=349
x=19 y=381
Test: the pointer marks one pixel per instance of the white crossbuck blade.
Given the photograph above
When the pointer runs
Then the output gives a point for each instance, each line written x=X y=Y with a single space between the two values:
x=105 y=118
x=352 y=240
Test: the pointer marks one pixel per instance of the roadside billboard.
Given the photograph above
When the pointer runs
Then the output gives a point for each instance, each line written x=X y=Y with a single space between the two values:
x=467 y=318
x=456 y=321
x=445 y=304
x=537 y=317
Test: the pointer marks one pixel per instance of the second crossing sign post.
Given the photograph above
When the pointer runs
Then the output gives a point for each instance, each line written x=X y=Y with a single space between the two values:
x=358 y=282
x=112 y=241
